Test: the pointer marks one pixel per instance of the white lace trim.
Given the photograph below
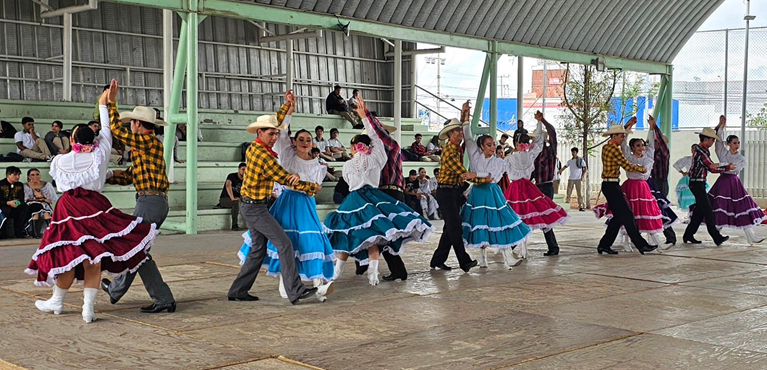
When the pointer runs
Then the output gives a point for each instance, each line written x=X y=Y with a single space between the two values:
x=494 y=229
x=544 y=213
x=741 y=213
x=366 y=205
x=83 y=238
x=526 y=200
x=393 y=234
x=495 y=247
x=561 y=221
x=642 y=200
x=731 y=199
x=366 y=225
x=74 y=179
x=487 y=207
x=99 y=213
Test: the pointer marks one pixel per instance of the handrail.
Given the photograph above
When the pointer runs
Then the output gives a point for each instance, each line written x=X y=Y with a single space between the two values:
x=446 y=102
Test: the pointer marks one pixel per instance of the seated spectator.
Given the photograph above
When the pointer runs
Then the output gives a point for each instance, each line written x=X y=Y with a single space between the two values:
x=433 y=185
x=230 y=194
x=504 y=143
x=322 y=144
x=40 y=196
x=12 y=201
x=57 y=140
x=499 y=153
x=341 y=191
x=336 y=147
x=29 y=145
x=330 y=175
x=428 y=201
x=434 y=146
x=335 y=104
x=421 y=151
x=118 y=148
x=412 y=196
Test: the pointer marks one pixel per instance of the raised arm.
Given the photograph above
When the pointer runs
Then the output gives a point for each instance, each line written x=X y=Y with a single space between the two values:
x=550 y=131
x=283 y=146
x=471 y=145
x=378 y=152
x=538 y=142
x=721 y=151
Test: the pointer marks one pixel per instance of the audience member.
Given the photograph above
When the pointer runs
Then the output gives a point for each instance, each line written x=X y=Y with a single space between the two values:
x=337 y=148
x=412 y=196
x=434 y=146
x=330 y=175
x=422 y=152
x=504 y=143
x=29 y=145
x=428 y=202
x=578 y=170
x=322 y=144
x=12 y=201
x=499 y=152
x=57 y=140
x=39 y=196
x=230 y=194
x=335 y=104
x=518 y=132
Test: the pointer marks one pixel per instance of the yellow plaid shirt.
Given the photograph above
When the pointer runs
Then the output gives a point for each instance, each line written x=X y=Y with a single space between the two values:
x=262 y=170
x=148 y=169
x=613 y=159
x=451 y=166
x=282 y=112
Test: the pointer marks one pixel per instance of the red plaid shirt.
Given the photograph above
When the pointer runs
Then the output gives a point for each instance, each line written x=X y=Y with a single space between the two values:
x=391 y=174
x=546 y=162
x=419 y=149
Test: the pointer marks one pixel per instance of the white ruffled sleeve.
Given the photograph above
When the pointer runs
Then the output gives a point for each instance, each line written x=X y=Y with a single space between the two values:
x=538 y=142
x=683 y=164
x=284 y=147
x=378 y=153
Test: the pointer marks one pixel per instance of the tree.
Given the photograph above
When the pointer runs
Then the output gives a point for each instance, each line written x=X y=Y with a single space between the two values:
x=758 y=120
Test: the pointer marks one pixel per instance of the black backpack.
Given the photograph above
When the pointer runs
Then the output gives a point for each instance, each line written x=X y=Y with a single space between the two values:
x=244 y=149
x=8 y=131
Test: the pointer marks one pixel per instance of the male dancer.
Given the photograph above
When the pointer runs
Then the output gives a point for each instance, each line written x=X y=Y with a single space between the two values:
x=659 y=173
x=262 y=170
x=545 y=168
x=612 y=160
x=701 y=164
x=147 y=174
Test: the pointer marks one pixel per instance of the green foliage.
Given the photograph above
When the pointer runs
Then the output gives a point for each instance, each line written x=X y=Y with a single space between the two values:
x=758 y=120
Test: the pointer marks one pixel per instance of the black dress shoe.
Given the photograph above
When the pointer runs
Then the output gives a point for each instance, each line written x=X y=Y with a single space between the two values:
x=361 y=269
x=441 y=266
x=393 y=277
x=672 y=242
x=607 y=250
x=236 y=228
x=690 y=240
x=105 y=287
x=552 y=253
x=648 y=248
x=246 y=298
x=468 y=267
x=307 y=293
x=724 y=239
x=156 y=308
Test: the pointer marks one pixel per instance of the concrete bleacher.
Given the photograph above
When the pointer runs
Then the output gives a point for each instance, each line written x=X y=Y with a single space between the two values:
x=218 y=154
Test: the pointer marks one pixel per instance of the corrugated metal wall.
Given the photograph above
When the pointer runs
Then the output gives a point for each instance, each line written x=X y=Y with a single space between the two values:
x=236 y=72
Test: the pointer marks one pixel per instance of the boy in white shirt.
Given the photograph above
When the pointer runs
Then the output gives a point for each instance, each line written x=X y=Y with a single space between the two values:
x=578 y=170
x=29 y=145
x=337 y=147
x=322 y=144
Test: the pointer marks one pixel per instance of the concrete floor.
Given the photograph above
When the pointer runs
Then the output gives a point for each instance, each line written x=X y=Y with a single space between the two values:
x=692 y=307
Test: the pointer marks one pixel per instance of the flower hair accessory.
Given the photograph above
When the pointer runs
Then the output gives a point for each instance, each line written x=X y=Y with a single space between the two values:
x=524 y=147
x=84 y=148
x=362 y=148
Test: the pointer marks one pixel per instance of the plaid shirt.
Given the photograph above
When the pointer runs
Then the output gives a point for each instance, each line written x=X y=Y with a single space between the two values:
x=662 y=156
x=148 y=170
x=452 y=166
x=282 y=112
x=546 y=163
x=701 y=164
x=419 y=149
x=613 y=159
x=262 y=171
x=391 y=174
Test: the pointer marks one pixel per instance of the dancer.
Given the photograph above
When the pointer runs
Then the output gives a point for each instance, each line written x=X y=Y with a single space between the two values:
x=659 y=173
x=612 y=160
x=656 y=138
x=544 y=173
x=296 y=212
x=534 y=208
x=701 y=164
x=368 y=218
x=636 y=190
x=732 y=205
x=151 y=183
x=684 y=197
x=487 y=219
x=87 y=235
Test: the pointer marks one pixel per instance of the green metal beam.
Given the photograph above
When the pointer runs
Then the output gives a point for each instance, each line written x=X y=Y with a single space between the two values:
x=657 y=111
x=481 y=94
x=175 y=97
x=493 y=90
x=191 y=122
x=259 y=12
x=668 y=104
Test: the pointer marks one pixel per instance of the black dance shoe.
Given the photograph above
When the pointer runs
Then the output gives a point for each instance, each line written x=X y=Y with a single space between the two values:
x=468 y=267
x=157 y=308
x=307 y=293
x=552 y=253
x=648 y=248
x=105 y=287
x=441 y=266
x=393 y=277
x=607 y=250
x=690 y=240
x=724 y=239
x=246 y=298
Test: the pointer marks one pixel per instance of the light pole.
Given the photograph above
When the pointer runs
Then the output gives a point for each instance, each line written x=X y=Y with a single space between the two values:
x=439 y=62
x=748 y=18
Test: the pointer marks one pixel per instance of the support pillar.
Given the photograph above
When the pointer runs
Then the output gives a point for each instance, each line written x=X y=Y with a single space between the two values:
x=398 y=90
x=67 y=48
x=167 y=83
x=480 y=95
x=289 y=72
x=520 y=87
x=174 y=98
x=493 y=130
x=413 y=89
x=191 y=122
x=668 y=105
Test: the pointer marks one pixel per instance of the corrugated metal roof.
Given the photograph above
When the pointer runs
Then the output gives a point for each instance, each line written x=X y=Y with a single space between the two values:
x=647 y=30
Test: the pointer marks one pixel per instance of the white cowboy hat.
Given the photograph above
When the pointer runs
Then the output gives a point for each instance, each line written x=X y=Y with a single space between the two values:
x=450 y=126
x=709 y=132
x=616 y=129
x=143 y=114
x=266 y=121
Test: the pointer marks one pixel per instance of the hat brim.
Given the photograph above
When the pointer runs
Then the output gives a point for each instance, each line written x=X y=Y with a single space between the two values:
x=255 y=126
x=443 y=134
x=125 y=117
x=627 y=132
x=713 y=136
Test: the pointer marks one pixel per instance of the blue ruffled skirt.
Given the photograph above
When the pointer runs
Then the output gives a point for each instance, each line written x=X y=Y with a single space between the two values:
x=296 y=213
x=369 y=217
x=487 y=219
x=684 y=197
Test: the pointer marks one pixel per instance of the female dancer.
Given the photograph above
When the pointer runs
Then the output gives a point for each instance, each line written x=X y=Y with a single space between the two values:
x=684 y=197
x=368 y=217
x=732 y=205
x=535 y=209
x=669 y=217
x=40 y=197
x=641 y=201
x=487 y=219
x=297 y=212
x=87 y=235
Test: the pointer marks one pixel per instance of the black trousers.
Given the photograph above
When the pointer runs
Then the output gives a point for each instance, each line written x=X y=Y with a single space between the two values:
x=395 y=263
x=450 y=202
x=622 y=216
x=551 y=240
x=662 y=185
x=19 y=215
x=703 y=210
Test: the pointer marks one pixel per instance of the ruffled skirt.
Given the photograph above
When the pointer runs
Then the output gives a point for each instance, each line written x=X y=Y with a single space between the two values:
x=643 y=205
x=669 y=216
x=732 y=205
x=685 y=198
x=296 y=213
x=369 y=217
x=487 y=220
x=536 y=210
x=85 y=227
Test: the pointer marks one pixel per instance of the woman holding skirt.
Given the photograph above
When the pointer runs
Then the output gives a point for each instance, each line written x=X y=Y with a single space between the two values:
x=87 y=235
x=368 y=217
x=732 y=205
x=684 y=197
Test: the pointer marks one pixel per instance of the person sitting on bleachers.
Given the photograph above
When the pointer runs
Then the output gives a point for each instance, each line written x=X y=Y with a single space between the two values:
x=412 y=196
x=335 y=104
x=428 y=202
x=330 y=175
x=322 y=144
x=12 y=201
x=57 y=140
x=230 y=194
x=29 y=145
x=434 y=146
x=499 y=152
x=336 y=147
x=504 y=143
x=422 y=152
x=118 y=148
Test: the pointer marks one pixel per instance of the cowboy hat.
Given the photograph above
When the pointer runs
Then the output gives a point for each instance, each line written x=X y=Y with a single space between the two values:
x=143 y=114
x=709 y=132
x=616 y=129
x=450 y=126
x=266 y=121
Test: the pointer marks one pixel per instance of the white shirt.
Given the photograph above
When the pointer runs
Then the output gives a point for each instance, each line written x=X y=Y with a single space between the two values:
x=725 y=157
x=321 y=144
x=335 y=143
x=483 y=166
x=575 y=171
x=522 y=163
x=365 y=169
x=424 y=187
x=431 y=147
x=25 y=138
x=645 y=161
x=85 y=170
x=308 y=170
x=683 y=164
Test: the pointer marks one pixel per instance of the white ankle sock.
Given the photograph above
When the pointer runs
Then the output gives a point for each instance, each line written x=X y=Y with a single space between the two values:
x=373 y=268
x=339 y=269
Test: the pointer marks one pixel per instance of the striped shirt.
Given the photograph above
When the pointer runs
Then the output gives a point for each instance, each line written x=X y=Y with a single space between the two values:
x=701 y=164
x=613 y=159
x=662 y=156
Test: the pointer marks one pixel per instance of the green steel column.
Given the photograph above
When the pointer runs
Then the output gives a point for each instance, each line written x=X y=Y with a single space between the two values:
x=657 y=110
x=191 y=121
x=493 y=90
x=175 y=97
x=668 y=105
x=481 y=93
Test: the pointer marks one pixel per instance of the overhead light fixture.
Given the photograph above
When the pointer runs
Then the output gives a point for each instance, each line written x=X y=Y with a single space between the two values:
x=599 y=62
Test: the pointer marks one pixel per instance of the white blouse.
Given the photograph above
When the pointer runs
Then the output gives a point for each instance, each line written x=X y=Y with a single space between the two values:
x=47 y=190
x=683 y=164
x=725 y=157
x=647 y=160
x=308 y=170
x=522 y=163
x=85 y=170
x=365 y=169
x=483 y=166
